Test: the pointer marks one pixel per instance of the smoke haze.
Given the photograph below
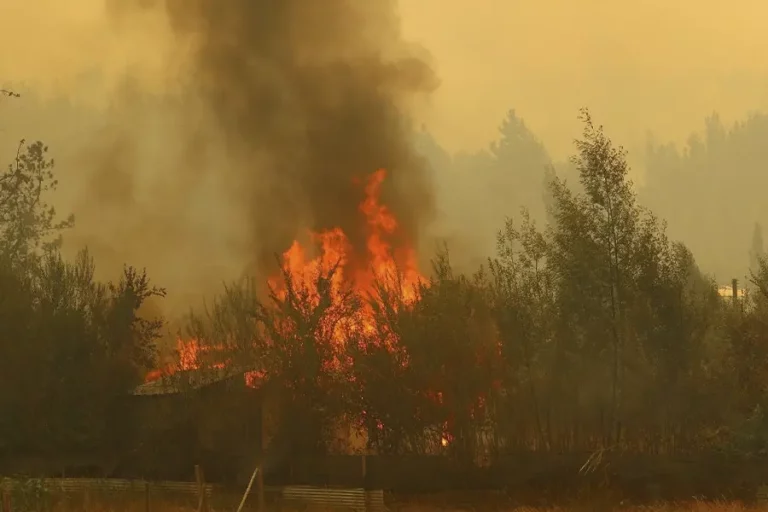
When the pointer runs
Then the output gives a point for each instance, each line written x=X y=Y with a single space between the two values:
x=307 y=97
x=651 y=65
x=197 y=141
x=269 y=119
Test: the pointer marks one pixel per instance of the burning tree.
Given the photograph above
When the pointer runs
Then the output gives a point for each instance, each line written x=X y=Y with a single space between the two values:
x=361 y=336
x=556 y=345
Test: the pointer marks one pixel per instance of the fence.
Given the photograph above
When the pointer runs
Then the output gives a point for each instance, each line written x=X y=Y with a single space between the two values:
x=347 y=499
x=25 y=495
x=83 y=485
x=34 y=494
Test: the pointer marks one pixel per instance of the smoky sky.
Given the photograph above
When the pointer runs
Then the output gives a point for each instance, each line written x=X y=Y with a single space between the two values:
x=310 y=98
x=160 y=170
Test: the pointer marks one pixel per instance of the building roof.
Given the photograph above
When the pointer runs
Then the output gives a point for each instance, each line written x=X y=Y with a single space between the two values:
x=187 y=380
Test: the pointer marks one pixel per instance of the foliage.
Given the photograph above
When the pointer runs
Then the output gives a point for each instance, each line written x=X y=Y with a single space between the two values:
x=69 y=344
x=27 y=222
x=587 y=329
x=595 y=331
x=63 y=334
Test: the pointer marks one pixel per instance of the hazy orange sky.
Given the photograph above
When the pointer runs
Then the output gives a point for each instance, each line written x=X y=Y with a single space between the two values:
x=650 y=64
x=655 y=65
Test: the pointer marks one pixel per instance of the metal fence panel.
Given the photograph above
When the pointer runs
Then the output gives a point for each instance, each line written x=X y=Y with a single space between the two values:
x=356 y=499
x=353 y=499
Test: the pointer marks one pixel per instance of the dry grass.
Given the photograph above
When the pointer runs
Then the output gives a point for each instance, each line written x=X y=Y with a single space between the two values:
x=445 y=502
x=586 y=506
x=693 y=506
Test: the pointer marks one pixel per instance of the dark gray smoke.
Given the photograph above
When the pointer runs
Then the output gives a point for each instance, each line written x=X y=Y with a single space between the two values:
x=310 y=95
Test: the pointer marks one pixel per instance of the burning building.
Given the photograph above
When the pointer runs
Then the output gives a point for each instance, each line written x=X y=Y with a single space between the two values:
x=210 y=417
x=206 y=408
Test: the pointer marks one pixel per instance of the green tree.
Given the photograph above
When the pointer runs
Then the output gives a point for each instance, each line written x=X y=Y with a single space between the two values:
x=593 y=244
x=520 y=168
x=70 y=347
x=28 y=225
x=523 y=301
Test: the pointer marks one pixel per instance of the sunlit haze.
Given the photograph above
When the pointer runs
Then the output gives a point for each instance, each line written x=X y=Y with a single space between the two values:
x=645 y=69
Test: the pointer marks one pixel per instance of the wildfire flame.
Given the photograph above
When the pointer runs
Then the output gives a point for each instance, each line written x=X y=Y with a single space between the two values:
x=334 y=252
x=382 y=264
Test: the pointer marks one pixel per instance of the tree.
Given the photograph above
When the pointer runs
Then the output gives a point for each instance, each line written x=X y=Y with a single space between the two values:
x=28 y=225
x=426 y=371
x=520 y=168
x=593 y=244
x=523 y=302
x=291 y=336
x=69 y=348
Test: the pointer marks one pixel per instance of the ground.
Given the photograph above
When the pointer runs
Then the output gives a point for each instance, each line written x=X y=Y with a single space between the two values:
x=413 y=505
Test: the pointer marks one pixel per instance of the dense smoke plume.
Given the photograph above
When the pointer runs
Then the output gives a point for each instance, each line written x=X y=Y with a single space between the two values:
x=307 y=99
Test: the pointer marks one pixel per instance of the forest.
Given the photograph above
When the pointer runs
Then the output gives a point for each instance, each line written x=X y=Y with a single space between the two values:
x=587 y=327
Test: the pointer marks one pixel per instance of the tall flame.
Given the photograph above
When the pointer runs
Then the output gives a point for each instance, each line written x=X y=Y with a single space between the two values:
x=384 y=263
x=381 y=262
x=334 y=252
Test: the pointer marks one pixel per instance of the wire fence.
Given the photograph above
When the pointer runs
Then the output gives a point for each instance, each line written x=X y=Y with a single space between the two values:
x=86 y=494
x=81 y=485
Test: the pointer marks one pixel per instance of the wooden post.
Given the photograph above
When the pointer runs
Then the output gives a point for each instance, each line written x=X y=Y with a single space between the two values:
x=260 y=487
x=6 y=501
x=147 y=505
x=202 y=504
x=87 y=501
x=248 y=489
x=366 y=489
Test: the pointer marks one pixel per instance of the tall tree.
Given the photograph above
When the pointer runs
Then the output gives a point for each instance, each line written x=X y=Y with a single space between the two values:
x=28 y=223
x=523 y=300
x=520 y=168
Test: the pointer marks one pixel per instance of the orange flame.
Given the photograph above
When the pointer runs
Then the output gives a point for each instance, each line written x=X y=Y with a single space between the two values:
x=382 y=263
x=189 y=353
x=385 y=263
